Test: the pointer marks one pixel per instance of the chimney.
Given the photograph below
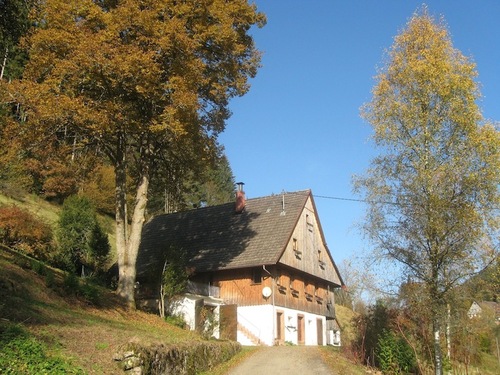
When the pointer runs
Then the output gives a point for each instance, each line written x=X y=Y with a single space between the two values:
x=240 y=199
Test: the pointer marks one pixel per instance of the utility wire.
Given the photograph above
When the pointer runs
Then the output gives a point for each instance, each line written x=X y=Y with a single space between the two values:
x=340 y=199
x=345 y=199
x=358 y=200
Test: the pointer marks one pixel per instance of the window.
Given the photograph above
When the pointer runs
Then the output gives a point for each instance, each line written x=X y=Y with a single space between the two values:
x=298 y=253
x=322 y=263
x=257 y=276
x=318 y=294
x=293 y=287
x=308 y=291
x=309 y=223
x=281 y=284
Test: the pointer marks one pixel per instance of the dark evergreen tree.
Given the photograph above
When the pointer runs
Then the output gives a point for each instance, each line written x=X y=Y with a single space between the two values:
x=81 y=240
x=14 y=23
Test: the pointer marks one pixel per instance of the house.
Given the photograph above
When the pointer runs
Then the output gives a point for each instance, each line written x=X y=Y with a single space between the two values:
x=490 y=307
x=260 y=266
x=474 y=310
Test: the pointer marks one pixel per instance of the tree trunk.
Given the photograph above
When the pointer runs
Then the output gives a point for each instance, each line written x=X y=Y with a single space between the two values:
x=448 y=334
x=127 y=244
x=161 y=302
x=127 y=265
x=438 y=362
x=4 y=62
x=121 y=221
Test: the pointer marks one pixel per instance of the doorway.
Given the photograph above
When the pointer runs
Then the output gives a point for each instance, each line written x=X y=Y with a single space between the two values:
x=280 y=328
x=301 y=327
x=319 y=327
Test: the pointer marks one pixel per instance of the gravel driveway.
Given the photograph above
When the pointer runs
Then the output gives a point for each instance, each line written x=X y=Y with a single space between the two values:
x=287 y=360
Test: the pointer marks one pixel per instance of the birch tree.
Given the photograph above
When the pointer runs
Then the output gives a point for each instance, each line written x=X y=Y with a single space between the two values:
x=140 y=79
x=433 y=191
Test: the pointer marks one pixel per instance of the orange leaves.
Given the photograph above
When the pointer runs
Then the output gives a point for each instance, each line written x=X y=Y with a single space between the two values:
x=139 y=63
x=24 y=231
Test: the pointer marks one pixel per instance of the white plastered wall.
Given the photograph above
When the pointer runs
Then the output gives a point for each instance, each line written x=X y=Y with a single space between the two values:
x=261 y=321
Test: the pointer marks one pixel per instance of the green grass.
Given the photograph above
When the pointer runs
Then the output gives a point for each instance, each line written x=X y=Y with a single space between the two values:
x=22 y=353
x=54 y=324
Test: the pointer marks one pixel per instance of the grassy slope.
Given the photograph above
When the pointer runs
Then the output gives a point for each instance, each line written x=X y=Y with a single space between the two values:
x=45 y=210
x=87 y=335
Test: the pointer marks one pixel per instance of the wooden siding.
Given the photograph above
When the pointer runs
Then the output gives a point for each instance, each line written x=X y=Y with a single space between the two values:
x=291 y=289
x=306 y=250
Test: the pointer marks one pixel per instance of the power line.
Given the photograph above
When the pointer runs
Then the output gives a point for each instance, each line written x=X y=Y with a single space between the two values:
x=358 y=200
x=340 y=198
x=345 y=199
x=368 y=201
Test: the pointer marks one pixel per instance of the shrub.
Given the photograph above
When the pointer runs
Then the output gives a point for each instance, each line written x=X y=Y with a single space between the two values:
x=393 y=354
x=38 y=267
x=90 y=292
x=23 y=231
x=81 y=240
x=176 y=320
x=71 y=283
x=49 y=279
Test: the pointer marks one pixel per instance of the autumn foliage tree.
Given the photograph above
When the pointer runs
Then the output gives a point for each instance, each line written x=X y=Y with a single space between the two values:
x=433 y=192
x=144 y=81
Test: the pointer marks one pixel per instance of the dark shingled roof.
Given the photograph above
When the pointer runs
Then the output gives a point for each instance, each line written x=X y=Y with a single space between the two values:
x=217 y=238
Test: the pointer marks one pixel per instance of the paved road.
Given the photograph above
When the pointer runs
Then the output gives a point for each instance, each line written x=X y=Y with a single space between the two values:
x=287 y=360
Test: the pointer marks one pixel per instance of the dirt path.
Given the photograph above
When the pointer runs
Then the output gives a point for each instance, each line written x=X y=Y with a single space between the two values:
x=287 y=360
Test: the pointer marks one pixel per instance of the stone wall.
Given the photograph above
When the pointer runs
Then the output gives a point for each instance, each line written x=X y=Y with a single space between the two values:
x=183 y=359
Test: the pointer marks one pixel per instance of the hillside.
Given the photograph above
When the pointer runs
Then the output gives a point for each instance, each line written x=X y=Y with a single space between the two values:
x=88 y=336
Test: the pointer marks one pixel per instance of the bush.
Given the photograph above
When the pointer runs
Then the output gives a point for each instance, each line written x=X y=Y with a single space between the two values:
x=50 y=279
x=38 y=267
x=71 y=284
x=176 y=320
x=393 y=355
x=81 y=240
x=23 y=231
x=86 y=289
x=90 y=292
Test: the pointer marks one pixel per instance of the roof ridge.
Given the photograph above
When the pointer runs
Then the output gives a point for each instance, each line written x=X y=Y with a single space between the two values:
x=304 y=192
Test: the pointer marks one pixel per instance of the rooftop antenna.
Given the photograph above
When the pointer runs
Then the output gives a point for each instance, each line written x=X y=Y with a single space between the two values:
x=283 y=212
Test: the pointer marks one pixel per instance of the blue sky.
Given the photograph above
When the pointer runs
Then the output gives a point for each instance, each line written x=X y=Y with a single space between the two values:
x=299 y=126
